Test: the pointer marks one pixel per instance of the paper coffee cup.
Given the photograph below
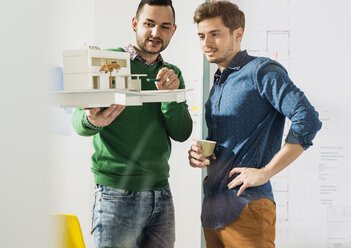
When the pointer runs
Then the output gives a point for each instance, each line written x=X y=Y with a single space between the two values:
x=207 y=147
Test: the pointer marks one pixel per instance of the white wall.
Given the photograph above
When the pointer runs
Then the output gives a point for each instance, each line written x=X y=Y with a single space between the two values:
x=24 y=181
x=71 y=27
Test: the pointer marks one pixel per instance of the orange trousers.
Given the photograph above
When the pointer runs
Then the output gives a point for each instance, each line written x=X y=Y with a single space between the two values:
x=254 y=228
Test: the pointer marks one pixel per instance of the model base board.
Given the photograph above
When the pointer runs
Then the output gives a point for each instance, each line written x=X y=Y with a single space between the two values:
x=104 y=98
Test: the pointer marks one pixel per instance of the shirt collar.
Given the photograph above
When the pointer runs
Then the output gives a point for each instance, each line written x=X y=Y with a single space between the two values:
x=134 y=54
x=239 y=61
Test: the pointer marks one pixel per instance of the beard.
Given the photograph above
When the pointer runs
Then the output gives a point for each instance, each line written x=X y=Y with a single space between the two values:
x=226 y=55
x=216 y=60
x=141 y=41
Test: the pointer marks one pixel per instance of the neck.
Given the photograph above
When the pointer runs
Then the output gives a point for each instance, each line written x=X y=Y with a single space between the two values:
x=149 y=57
x=224 y=64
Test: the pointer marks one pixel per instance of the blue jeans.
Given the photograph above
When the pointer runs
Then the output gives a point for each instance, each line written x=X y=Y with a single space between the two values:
x=126 y=219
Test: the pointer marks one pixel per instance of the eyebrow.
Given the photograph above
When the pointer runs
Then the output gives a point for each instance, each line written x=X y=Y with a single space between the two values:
x=213 y=31
x=165 y=23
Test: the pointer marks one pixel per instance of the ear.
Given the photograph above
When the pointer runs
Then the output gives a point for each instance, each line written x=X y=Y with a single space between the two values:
x=134 y=23
x=238 y=34
x=174 y=29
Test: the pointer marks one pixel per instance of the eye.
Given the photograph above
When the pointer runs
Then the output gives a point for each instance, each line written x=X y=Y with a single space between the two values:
x=201 y=37
x=149 y=24
x=165 y=27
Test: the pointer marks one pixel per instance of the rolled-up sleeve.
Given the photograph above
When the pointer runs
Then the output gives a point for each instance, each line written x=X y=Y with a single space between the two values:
x=274 y=84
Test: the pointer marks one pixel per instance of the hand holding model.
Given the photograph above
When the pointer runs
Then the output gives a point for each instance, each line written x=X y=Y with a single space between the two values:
x=168 y=80
x=103 y=118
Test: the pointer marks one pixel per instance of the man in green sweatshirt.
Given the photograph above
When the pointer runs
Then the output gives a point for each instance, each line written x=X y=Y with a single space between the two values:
x=133 y=204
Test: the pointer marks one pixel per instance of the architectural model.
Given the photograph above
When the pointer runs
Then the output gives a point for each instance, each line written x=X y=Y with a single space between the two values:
x=96 y=78
x=83 y=69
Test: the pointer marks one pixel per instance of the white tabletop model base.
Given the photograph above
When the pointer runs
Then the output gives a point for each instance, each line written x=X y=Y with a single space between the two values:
x=104 y=98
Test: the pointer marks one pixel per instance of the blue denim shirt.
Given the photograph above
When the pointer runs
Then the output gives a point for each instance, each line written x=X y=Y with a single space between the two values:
x=245 y=115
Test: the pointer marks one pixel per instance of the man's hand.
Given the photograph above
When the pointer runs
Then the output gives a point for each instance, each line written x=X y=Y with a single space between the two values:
x=102 y=119
x=168 y=80
x=251 y=177
x=195 y=157
x=248 y=177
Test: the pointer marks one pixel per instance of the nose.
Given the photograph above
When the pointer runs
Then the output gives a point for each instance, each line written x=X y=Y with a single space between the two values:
x=155 y=31
x=207 y=41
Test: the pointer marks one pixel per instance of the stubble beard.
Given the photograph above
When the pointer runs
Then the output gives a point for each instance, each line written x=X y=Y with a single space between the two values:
x=222 y=59
x=216 y=60
x=142 y=44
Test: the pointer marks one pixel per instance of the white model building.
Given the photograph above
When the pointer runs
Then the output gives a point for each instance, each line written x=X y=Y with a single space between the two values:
x=81 y=70
x=86 y=85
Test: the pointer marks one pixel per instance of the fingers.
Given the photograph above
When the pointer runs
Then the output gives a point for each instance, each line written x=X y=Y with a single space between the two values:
x=172 y=81
x=104 y=118
x=162 y=74
x=234 y=171
x=113 y=112
x=239 y=180
x=241 y=190
x=168 y=79
x=91 y=111
x=196 y=163
x=165 y=76
x=196 y=149
x=195 y=157
x=236 y=182
x=196 y=152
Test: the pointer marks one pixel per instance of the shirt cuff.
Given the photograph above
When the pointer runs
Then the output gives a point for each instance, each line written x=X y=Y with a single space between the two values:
x=293 y=138
x=86 y=123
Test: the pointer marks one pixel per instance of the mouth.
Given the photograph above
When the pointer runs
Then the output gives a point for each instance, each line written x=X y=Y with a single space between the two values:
x=154 y=42
x=210 y=52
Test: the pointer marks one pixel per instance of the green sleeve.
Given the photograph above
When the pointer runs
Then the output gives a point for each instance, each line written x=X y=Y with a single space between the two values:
x=78 y=124
x=176 y=116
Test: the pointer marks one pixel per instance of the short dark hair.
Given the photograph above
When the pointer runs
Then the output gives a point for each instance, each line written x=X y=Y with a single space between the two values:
x=230 y=13
x=155 y=2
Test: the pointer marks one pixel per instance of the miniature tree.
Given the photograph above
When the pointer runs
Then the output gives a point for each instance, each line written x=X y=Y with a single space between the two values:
x=109 y=67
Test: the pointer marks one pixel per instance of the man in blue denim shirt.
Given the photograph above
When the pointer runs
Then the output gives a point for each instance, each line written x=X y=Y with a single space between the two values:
x=245 y=115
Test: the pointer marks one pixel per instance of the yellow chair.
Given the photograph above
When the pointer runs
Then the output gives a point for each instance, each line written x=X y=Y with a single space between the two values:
x=66 y=231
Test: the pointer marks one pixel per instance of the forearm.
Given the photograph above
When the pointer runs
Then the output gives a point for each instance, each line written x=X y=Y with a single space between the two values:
x=177 y=119
x=286 y=155
x=251 y=177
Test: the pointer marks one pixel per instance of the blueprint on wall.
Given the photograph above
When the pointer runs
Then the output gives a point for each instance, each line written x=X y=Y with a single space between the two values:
x=310 y=39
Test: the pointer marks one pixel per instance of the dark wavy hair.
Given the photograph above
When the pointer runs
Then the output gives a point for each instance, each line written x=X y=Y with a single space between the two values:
x=155 y=2
x=230 y=13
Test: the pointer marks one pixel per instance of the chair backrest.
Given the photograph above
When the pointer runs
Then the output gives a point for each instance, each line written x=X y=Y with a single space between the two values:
x=66 y=231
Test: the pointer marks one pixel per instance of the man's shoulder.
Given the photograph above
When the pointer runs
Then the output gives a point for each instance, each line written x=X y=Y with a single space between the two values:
x=261 y=61
x=172 y=66
x=265 y=65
